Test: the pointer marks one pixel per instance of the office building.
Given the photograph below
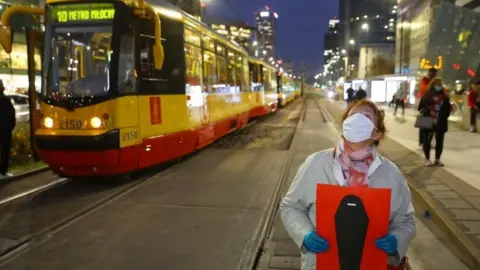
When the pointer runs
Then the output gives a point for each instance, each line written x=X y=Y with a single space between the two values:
x=365 y=22
x=332 y=64
x=266 y=24
x=440 y=34
x=235 y=30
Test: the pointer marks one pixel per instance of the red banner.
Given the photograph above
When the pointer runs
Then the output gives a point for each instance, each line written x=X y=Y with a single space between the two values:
x=351 y=219
x=155 y=111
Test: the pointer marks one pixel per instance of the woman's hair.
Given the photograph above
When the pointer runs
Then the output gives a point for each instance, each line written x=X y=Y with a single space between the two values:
x=379 y=114
x=430 y=92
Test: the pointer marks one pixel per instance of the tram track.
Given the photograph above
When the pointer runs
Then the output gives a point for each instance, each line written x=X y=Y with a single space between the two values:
x=251 y=256
x=32 y=216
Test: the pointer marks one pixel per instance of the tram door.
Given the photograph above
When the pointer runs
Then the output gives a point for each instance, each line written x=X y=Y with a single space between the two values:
x=35 y=63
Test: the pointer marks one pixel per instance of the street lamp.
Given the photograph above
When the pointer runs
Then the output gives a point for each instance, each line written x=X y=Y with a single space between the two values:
x=352 y=42
x=365 y=26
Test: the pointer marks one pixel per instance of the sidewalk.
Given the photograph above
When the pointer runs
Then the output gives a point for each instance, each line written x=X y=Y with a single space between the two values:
x=426 y=251
x=450 y=194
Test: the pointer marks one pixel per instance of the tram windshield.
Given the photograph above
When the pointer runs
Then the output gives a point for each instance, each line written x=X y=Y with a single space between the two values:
x=79 y=62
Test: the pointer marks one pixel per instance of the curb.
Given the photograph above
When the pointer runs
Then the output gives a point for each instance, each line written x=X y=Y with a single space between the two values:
x=24 y=175
x=453 y=232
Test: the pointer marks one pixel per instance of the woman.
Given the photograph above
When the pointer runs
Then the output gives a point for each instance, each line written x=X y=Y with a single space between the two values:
x=354 y=162
x=436 y=104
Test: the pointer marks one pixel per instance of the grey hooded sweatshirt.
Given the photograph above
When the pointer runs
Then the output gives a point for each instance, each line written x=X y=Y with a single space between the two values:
x=297 y=208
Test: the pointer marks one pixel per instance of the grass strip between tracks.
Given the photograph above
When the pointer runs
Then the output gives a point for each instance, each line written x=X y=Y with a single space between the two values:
x=440 y=218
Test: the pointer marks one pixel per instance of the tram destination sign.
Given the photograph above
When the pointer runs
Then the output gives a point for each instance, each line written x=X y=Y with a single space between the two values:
x=82 y=12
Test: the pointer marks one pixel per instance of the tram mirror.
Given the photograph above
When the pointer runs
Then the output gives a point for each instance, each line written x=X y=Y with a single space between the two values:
x=6 y=38
x=158 y=56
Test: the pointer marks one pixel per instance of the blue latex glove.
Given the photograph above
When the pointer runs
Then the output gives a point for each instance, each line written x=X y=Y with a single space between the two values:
x=388 y=243
x=314 y=243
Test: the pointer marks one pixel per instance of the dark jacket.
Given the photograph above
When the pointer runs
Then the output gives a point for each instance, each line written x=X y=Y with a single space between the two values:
x=7 y=116
x=444 y=113
x=361 y=94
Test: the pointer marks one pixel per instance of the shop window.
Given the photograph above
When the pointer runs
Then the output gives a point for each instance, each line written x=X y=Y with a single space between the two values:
x=193 y=59
x=171 y=78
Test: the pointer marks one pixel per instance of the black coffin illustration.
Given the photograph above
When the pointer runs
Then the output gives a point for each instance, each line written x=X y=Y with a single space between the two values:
x=351 y=226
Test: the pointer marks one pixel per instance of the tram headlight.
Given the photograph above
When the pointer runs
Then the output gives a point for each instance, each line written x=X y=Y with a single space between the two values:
x=95 y=122
x=48 y=122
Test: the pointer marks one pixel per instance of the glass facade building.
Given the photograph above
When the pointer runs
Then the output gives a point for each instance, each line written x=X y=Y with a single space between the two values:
x=266 y=23
x=13 y=66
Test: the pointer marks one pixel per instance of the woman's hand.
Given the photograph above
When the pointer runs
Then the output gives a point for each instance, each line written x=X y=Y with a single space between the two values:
x=314 y=243
x=388 y=244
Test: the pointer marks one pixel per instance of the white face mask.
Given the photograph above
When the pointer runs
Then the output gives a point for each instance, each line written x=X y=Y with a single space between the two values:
x=357 y=128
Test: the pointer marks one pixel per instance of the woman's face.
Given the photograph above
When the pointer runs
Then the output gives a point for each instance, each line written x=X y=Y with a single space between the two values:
x=370 y=114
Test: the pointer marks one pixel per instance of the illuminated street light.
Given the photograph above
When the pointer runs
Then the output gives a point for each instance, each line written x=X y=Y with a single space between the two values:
x=365 y=26
x=352 y=42
x=344 y=51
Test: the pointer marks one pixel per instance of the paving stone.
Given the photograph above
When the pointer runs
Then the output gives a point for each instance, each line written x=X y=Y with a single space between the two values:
x=473 y=200
x=471 y=227
x=455 y=204
x=285 y=262
x=465 y=214
x=444 y=194
x=432 y=182
x=286 y=248
x=437 y=187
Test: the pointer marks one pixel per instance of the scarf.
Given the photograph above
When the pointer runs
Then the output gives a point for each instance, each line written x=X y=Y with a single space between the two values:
x=355 y=164
x=437 y=102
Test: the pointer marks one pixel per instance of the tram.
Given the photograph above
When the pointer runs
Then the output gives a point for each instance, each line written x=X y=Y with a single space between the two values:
x=127 y=85
x=263 y=78
x=286 y=89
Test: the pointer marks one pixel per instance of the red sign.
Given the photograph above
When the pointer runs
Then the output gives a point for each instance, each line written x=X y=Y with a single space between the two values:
x=155 y=111
x=351 y=220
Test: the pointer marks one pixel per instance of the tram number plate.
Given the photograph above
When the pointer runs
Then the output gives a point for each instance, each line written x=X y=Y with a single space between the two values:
x=71 y=124
x=129 y=136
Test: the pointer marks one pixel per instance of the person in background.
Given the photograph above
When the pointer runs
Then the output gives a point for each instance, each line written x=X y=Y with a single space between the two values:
x=7 y=124
x=473 y=105
x=350 y=94
x=401 y=95
x=360 y=94
x=354 y=162
x=393 y=101
x=436 y=104
x=432 y=73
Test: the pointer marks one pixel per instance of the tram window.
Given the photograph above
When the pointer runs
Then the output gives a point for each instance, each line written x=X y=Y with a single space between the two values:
x=231 y=69
x=209 y=70
x=192 y=37
x=126 y=68
x=171 y=78
x=193 y=59
x=266 y=79
x=222 y=69
x=241 y=73
x=208 y=44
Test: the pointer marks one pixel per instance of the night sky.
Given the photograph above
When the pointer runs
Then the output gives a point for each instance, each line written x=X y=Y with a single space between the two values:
x=301 y=25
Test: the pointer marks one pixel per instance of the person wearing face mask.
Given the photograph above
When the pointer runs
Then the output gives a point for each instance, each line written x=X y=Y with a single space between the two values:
x=353 y=162
x=436 y=104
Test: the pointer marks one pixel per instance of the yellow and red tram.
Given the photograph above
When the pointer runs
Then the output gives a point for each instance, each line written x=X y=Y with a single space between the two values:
x=263 y=82
x=126 y=85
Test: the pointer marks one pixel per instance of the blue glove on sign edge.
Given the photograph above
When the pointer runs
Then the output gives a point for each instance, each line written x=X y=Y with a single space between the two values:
x=388 y=243
x=314 y=243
